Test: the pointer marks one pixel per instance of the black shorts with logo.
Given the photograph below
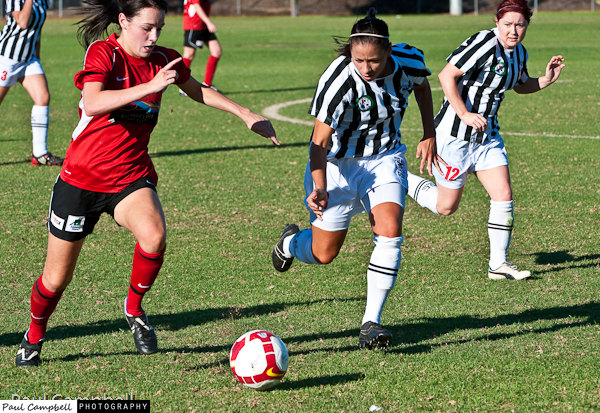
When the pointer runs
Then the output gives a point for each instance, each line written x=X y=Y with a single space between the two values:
x=197 y=38
x=74 y=211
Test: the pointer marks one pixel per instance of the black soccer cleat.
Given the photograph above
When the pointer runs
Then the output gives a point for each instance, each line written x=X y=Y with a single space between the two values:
x=373 y=335
x=143 y=333
x=28 y=354
x=280 y=261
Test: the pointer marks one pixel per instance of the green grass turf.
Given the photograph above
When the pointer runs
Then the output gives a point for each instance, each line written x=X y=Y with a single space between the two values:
x=462 y=342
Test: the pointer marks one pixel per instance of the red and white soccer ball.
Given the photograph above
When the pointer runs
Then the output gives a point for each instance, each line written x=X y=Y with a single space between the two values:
x=259 y=359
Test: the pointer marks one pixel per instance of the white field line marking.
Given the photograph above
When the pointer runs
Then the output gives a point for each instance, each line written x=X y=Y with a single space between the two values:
x=272 y=112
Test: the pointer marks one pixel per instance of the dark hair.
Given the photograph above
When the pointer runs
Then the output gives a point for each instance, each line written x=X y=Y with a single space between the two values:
x=518 y=6
x=102 y=13
x=369 y=24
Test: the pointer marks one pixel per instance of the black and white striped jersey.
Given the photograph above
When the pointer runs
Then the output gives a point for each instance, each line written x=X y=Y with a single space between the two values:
x=489 y=70
x=19 y=44
x=366 y=116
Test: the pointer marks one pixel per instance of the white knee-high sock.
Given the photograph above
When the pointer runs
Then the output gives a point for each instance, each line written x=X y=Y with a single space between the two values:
x=300 y=246
x=423 y=191
x=500 y=225
x=381 y=275
x=39 y=129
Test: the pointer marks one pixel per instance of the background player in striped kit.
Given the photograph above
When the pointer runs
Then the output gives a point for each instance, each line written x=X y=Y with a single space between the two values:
x=198 y=30
x=107 y=166
x=356 y=162
x=478 y=73
x=20 y=62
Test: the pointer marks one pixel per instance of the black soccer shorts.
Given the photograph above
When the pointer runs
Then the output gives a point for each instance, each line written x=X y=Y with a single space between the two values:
x=197 y=38
x=74 y=212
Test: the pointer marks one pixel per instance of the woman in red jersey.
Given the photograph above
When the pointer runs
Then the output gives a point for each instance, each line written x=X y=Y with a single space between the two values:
x=107 y=167
x=198 y=30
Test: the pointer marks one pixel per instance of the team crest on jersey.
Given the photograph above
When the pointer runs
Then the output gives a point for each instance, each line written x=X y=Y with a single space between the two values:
x=500 y=68
x=364 y=103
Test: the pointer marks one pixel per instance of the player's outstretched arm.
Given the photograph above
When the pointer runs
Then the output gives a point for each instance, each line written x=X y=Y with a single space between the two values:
x=553 y=69
x=210 y=97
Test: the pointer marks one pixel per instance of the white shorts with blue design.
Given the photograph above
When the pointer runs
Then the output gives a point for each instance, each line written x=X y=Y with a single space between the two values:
x=357 y=185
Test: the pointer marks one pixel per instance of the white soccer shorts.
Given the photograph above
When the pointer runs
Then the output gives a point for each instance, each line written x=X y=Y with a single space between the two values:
x=12 y=71
x=356 y=185
x=464 y=157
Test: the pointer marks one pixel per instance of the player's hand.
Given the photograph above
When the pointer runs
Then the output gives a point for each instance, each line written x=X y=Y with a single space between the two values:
x=427 y=151
x=478 y=122
x=553 y=69
x=262 y=126
x=211 y=27
x=317 y=202
x=165 y=77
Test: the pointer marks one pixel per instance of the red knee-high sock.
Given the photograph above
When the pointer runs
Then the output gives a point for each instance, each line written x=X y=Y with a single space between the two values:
x=187 y=62
x=211 y=67
x=145 y=270
x=43 y=303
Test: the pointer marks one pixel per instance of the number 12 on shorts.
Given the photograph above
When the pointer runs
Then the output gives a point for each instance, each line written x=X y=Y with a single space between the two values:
x=451 y=173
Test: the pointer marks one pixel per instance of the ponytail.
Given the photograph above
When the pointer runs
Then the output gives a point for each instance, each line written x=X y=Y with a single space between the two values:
x=102 y=13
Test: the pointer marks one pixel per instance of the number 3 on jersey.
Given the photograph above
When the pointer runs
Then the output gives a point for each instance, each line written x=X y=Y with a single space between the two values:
x=4 y=74
x=451 y=173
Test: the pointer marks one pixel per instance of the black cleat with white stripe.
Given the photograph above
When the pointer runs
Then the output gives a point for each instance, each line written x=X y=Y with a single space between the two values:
x=28 y=354
x=280 y=261
x=143 y=333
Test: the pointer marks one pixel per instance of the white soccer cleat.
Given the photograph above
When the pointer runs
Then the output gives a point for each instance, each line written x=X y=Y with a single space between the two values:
x=508 y=271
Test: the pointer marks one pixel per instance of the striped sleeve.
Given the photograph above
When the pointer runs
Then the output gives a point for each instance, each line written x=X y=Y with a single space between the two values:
x=473 y=52
x=331 y=96
x=412 y=61
x=524 y=75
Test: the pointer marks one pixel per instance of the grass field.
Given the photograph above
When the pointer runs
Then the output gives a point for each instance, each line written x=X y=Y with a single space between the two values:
x=462 y=342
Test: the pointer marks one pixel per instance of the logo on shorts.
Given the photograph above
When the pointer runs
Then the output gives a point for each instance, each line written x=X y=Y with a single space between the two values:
x=74 y=224
x=57 y=221
x=500 y=68
x=364 y=103
x=400 y=166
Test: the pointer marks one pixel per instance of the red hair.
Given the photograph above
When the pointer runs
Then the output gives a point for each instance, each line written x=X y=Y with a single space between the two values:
x=517 y=6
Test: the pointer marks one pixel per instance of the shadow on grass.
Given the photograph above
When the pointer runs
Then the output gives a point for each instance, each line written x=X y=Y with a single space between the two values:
x=332 y=380
x=167 y=322
x=224 y=149
x=561 y=257
x=409 y=338
x=15 y=162
x=287 y=89
x=414 y=333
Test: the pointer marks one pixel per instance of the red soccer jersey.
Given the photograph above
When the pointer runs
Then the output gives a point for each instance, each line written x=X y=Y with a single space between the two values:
x=191 y=20
x=110 y=151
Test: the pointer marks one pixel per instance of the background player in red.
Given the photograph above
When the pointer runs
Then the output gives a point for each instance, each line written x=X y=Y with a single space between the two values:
x=20 y=62
x=198 y=30
x=107 y=167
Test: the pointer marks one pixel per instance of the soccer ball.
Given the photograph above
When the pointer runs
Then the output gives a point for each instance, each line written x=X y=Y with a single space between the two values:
x=259 y=359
